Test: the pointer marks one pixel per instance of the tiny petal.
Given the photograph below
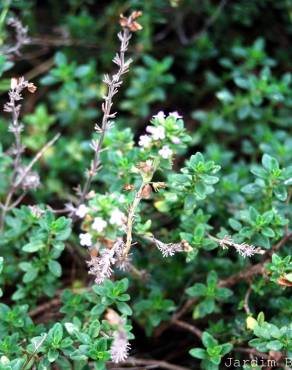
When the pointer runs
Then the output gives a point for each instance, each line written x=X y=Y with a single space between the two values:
x=159 y=115
x=165 y=152
x=158 y=133
x=99 y=224
x=85 y=239
x=176 y=115
x=117 y=217
x=13 y=83
x=176 y=140
x=82 y=211
x=145 y=141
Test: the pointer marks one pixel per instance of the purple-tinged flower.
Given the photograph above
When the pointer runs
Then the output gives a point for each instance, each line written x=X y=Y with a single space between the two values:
x=158 y=133
x=176 y=140
x=145 y=141
x=120 y=346
x=159 y=115
x=165 y=152
x=176 y=115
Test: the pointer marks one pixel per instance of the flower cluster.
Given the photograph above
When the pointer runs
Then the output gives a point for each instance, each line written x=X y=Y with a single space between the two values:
x=103 y=220
x=164 y=135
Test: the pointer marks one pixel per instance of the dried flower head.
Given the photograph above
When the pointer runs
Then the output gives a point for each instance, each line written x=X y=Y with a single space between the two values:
x=244 y=249
x=101 y=266
x=130 y=22
x=120 y=346
x=167 y=249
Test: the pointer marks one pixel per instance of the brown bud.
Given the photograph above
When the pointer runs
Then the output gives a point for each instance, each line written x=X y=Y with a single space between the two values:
x=107 y=242
x=129 y=187
x=186 y=246
x=145 y=167
x=112 y=317
x=130 y=21
x=146 y=191
x=93 y=252
x=284 y=282
x=136 y=14
x=31 y=87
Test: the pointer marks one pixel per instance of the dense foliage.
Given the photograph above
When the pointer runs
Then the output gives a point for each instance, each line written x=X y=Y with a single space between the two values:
x=158 y=235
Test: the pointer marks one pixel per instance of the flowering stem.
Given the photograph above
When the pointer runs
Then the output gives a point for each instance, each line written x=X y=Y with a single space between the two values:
x=17 y=183
x=113 y=83
x=131 y=216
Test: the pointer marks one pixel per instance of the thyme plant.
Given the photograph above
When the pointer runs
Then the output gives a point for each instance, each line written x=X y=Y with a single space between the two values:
x=178 y=233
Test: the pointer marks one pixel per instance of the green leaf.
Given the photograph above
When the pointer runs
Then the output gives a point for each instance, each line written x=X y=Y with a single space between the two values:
x=270 y=163
x=226 y=348
x=212 y=279
x=197 y=290
x=33 y=246
x=208 y=340
x=55 y=268
x=124 y=308
x=281 y=193
x=52 y=355
x=30 y=275
x=274 y=345
x=198 y=353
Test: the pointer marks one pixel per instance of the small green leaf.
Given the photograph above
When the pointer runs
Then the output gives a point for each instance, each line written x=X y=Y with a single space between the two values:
x=198 y=353
x=33 y=246
x=55 y=268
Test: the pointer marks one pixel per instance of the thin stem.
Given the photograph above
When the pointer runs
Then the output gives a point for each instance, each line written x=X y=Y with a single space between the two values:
x=184 y=325
x=131 y=216
x=15 y=185
x=113 y=83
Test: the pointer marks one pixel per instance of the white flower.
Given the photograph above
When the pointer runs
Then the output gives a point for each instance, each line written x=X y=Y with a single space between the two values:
x=159 y=115
x=145 y=141
x=158 y=133
x=99 y=224
x=165 y=152
x=82 y=211
x=176 y=115
x=13 y=83
x=117 y=217
x=86 y=239
x=176 y=140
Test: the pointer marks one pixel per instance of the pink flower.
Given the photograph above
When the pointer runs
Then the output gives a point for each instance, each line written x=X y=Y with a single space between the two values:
x=86 y=239
x=158 y=133
x=176 y=115
x=159 y=115
x=145 y=141
x=81 y=211
x=165 y=152
x=99 y=224
x=176 y=140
